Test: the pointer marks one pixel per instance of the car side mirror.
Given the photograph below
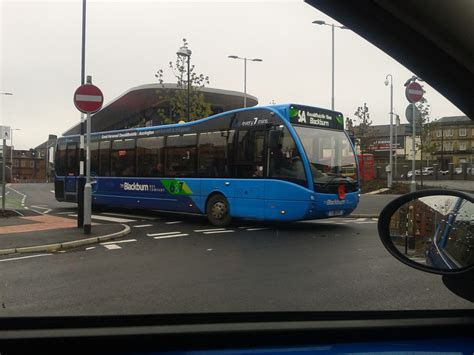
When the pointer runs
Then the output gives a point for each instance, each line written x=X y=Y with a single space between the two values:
x=431 y=230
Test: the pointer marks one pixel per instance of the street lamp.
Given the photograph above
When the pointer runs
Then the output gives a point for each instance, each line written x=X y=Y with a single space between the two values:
x=389 y=175
x=186 y=52
x=11 y=144
x=397 y=124
x=320 y=22
x=3 y=164
x=245 y=72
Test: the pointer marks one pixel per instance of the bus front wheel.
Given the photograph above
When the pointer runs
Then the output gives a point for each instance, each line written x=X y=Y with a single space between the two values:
x=217 y=210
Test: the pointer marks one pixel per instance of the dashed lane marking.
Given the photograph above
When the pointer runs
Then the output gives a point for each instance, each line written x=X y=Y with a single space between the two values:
x=164 y=233
x=119 y=241
x=90 y=248
x=257 y=229
x=173 y=222
x=217 y=232
x=112 y=247
x=110 y=219
x=25 y=257
x=143 y=226
x=172 y=236
x=209 y=230
x=127 y=215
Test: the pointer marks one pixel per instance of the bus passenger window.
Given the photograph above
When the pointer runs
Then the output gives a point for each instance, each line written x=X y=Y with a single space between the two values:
x=123 y=158
x=250 y=153
x=181 y=155
x=150 y=156
x=104 y=158
x=94 y=151
x=213 y=154
x=72 y=159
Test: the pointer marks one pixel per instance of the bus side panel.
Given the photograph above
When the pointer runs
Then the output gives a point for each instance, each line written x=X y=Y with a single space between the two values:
x=166 y=194
x=286 y=201
x=248 y=198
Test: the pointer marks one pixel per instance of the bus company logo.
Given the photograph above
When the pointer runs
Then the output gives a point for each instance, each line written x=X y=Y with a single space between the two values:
x=254 y=122
x=334 y=202
x=135 y=186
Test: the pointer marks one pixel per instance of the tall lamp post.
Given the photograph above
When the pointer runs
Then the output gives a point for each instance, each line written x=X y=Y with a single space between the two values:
x=245 y=72
x=3 y=164
x=11 y=146
x=389 y=172
x=397 y=124
x=320 y=22
x=186 y=52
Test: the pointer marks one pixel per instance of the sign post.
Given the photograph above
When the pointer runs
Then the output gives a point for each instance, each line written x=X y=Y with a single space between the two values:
x=88 y=99
x=5 y=133
x=414 y=93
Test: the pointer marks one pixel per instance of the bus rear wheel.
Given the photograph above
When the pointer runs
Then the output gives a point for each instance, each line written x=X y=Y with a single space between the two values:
x=217 y=211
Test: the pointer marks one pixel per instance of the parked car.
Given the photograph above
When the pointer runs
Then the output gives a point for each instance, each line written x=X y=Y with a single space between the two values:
x=428 y=171
x=458 y=171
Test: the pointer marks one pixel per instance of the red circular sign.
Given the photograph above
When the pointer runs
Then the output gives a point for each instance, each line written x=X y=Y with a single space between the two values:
x=414 y=92
x=88 y=98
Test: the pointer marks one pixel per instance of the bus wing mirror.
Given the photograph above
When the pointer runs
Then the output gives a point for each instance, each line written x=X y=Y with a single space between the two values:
x=274 y=139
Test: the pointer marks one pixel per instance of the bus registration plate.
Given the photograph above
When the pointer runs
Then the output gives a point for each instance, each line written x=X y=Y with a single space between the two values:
x=335 y=213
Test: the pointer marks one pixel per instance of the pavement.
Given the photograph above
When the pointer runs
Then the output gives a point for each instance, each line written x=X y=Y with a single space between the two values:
x=29 y=232
x=461 y=185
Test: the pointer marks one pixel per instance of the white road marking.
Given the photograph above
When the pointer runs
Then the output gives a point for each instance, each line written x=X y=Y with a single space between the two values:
x=171 y=236
x=375 y=219
x=112 y=246
x=360 y=219
x=127 y=215
x=257 y=229
x=65 y=213
x=39 y=212
x=110 y=219
x=244 y=227
x=174 y=222
x=90 y=248
x=143 y=226
x=209 y=230
x=119 y=241
x=165 y=233
x=45 y=207
x=25 y=257
x=47 y=211
x=52 y=191
x=224 y=231
x=365 y=222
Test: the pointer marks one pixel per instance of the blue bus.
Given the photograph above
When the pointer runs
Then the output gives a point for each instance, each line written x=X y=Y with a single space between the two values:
x=279 y=162
x=453 y=240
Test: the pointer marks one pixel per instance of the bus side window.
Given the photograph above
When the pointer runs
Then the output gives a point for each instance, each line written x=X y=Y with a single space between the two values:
x=213 y=154
x=181 y=155
x=104 y=158
x=61 y=160
x=94 y=151
x=150 y=156
x=123 y=157
x=249 y=155
x=72 y=159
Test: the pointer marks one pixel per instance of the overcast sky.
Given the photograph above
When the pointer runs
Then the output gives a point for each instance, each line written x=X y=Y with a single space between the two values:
x=128 y=41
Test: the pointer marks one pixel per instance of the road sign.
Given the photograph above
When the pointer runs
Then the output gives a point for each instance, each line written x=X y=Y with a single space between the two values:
x=5 y=132
x=409 y=113
x=88 y=98
x=414 y=92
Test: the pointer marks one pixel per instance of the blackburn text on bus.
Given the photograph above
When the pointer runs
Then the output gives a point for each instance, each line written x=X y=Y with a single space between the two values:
x=279 y=162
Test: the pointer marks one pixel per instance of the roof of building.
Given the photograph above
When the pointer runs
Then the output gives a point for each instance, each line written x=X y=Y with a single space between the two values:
x=138 y=99
x=454 y=119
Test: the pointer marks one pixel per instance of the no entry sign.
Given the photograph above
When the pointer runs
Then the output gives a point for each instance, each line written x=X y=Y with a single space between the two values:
x=88 y=98
x=414 y=92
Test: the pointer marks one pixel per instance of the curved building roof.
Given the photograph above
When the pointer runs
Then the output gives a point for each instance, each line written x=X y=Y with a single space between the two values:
x=142 y=101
